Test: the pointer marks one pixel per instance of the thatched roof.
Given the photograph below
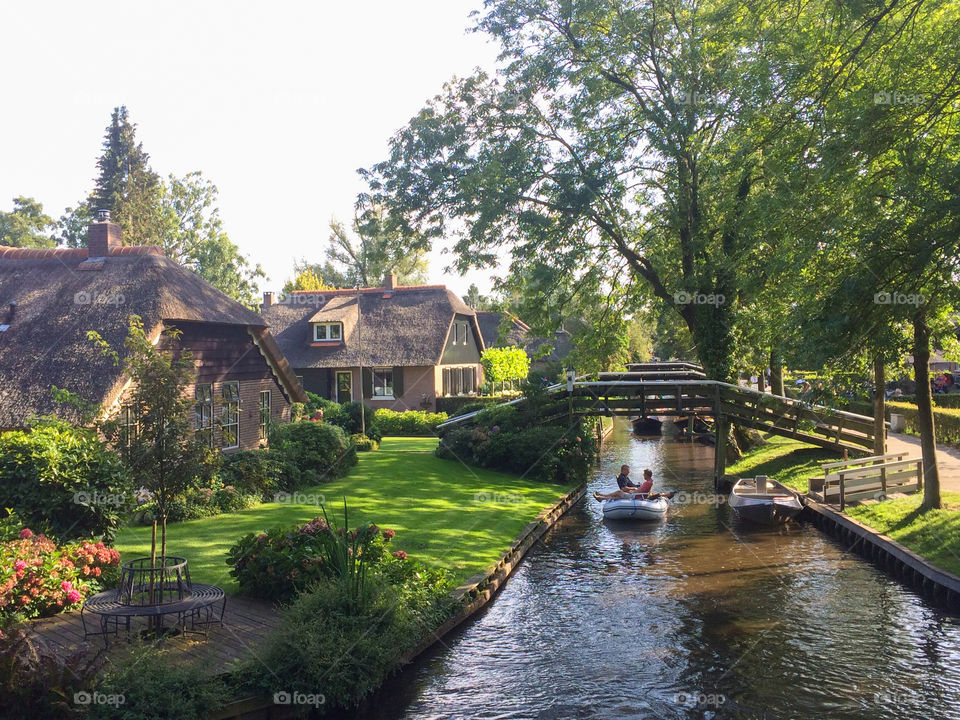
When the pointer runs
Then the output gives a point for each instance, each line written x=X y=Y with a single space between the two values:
x=60 y=295
x=406 y=325
x=502 y=329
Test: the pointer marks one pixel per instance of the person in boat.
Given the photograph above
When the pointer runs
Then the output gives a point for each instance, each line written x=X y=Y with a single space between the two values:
x=629 y=491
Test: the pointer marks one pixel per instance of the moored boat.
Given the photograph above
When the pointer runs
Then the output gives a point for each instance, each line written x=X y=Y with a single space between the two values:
x=635 y=509
x=764 y=501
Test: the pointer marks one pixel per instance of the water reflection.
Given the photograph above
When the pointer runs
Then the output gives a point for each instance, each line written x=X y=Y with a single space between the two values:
x=620 y=620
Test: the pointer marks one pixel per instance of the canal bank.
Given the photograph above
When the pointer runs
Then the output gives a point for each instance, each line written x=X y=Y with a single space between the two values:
x=697 y=616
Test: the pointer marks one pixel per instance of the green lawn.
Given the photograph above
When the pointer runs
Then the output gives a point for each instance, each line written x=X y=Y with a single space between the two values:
x=446 y=514
x=788 y=461
x=934 y=534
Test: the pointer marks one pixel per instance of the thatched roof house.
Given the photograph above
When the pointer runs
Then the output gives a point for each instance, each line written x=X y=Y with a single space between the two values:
x=414 y=343
x=51 y=298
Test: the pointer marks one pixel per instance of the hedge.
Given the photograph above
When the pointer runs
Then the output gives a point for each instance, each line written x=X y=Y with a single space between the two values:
x=946 y=421
x=410 y=422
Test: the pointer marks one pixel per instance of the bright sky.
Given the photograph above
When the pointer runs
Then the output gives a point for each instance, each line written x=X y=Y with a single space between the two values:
x=278 y=103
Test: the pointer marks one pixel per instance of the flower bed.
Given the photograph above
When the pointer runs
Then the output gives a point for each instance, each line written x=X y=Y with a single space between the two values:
x=38 y=578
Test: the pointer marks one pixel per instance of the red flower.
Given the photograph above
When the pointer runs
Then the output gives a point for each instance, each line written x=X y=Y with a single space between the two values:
x=389 y=534
x=399 y=554
x=26 y=534
x=19 y=565
x=74 y=597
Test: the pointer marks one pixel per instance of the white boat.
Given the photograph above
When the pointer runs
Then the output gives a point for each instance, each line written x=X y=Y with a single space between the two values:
x=765 y=501
x=635 y=509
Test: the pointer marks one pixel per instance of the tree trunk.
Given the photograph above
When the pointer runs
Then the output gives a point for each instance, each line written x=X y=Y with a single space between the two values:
x=928 y=443
x=761 y=386
x=776 y=373
x=879 y=408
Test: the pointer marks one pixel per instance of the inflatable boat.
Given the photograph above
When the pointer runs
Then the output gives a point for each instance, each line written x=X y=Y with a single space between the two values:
x=635 y=509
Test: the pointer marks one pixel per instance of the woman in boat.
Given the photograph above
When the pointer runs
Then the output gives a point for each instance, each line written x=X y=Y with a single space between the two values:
x=629 y=491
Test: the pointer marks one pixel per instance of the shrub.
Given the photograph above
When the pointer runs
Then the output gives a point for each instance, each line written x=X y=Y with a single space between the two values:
x=348 y=418
x=199 y=502
x=310 y=452
x=364 y=443
x=409 y=422
x=63 y=481
x=327 y=643
x=946 y=421
x=253 y=472
x=158 y=685
x=38 y=578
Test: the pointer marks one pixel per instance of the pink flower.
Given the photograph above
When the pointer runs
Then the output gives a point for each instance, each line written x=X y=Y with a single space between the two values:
x=19 y=565
x=399 y=554
x=73 y=596
x=388 y=534
x=26 y=534
x=66 y=586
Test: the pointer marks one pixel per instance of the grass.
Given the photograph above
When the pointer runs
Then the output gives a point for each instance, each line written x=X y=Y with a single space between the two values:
x=790 y=462
x=446 y=514
x=934 y=534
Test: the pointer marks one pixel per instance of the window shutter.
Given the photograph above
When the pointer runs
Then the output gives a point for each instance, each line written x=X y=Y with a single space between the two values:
x=367 y=383
x=397 y=381
x=446 y=381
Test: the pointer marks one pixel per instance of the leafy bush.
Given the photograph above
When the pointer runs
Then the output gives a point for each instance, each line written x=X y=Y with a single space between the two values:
x=63 y=481
x=38 y=578
x=281 y=562
x=327 y=643
x=156 y=684
x=364 y=443
x=253 y=472
x=409 y=422
x=39 y=681
x=199 y=502
x=946 y=421
x=348 y=417
x=310 y=452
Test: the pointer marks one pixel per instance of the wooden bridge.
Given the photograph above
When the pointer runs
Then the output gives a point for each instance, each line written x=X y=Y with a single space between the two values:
x=682 y=390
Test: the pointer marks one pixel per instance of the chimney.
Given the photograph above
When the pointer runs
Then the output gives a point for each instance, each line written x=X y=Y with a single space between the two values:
x=390 y=281
x=267 y=299
x=103 y=235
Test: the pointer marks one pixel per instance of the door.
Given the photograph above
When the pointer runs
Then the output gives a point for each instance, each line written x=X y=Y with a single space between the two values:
x=344 y=386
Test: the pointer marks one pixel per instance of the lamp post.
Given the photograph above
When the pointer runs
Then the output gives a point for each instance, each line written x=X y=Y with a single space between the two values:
x=363 y=419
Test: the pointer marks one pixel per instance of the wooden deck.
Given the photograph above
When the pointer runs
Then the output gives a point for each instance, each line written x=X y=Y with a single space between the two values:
x=246 y=624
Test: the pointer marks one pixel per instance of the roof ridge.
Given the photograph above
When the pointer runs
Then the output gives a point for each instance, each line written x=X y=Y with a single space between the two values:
x=21 y=253
x=378 y=289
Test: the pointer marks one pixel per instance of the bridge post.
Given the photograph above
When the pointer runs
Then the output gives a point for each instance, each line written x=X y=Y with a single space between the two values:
x=720 y=457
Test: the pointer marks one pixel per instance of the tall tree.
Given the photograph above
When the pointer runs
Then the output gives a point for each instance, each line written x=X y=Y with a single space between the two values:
x=27 y=225
x=375 y=251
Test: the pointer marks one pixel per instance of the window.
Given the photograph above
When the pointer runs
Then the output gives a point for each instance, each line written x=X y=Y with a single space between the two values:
x=459 y=381
x=128 y=426
x=460 y=333
x=383 y=382
x=264 y=414
x=203 y=412
x=230 y=422
x=327 y=331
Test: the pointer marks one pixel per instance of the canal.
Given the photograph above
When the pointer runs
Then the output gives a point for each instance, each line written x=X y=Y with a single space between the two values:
x=693 y=617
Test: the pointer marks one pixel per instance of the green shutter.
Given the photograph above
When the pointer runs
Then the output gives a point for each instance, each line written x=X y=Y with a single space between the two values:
x=367 y=383
x=397 y=381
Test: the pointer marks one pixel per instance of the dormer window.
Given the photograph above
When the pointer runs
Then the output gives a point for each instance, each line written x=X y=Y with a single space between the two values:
x=327 y=331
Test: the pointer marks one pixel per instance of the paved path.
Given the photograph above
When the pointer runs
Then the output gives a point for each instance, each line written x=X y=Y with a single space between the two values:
x=948 y=459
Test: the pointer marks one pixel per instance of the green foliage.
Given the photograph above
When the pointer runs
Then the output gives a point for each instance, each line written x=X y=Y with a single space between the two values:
x=462 y=404
x=164 y=455
x=26 y=225
x=946 y=421
x=63 y=481
x=347 y=416
x=253 y=472
x=364 y=443
x=408 y=422
x=157 y=684
x=311 y=452
x=505 y=364
x=305 y=280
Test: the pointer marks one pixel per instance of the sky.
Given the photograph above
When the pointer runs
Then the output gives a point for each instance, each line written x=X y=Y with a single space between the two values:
x=276 y=103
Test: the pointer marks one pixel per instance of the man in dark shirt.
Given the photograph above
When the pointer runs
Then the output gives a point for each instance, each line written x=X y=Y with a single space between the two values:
x=629 y=491
x=623 y=479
